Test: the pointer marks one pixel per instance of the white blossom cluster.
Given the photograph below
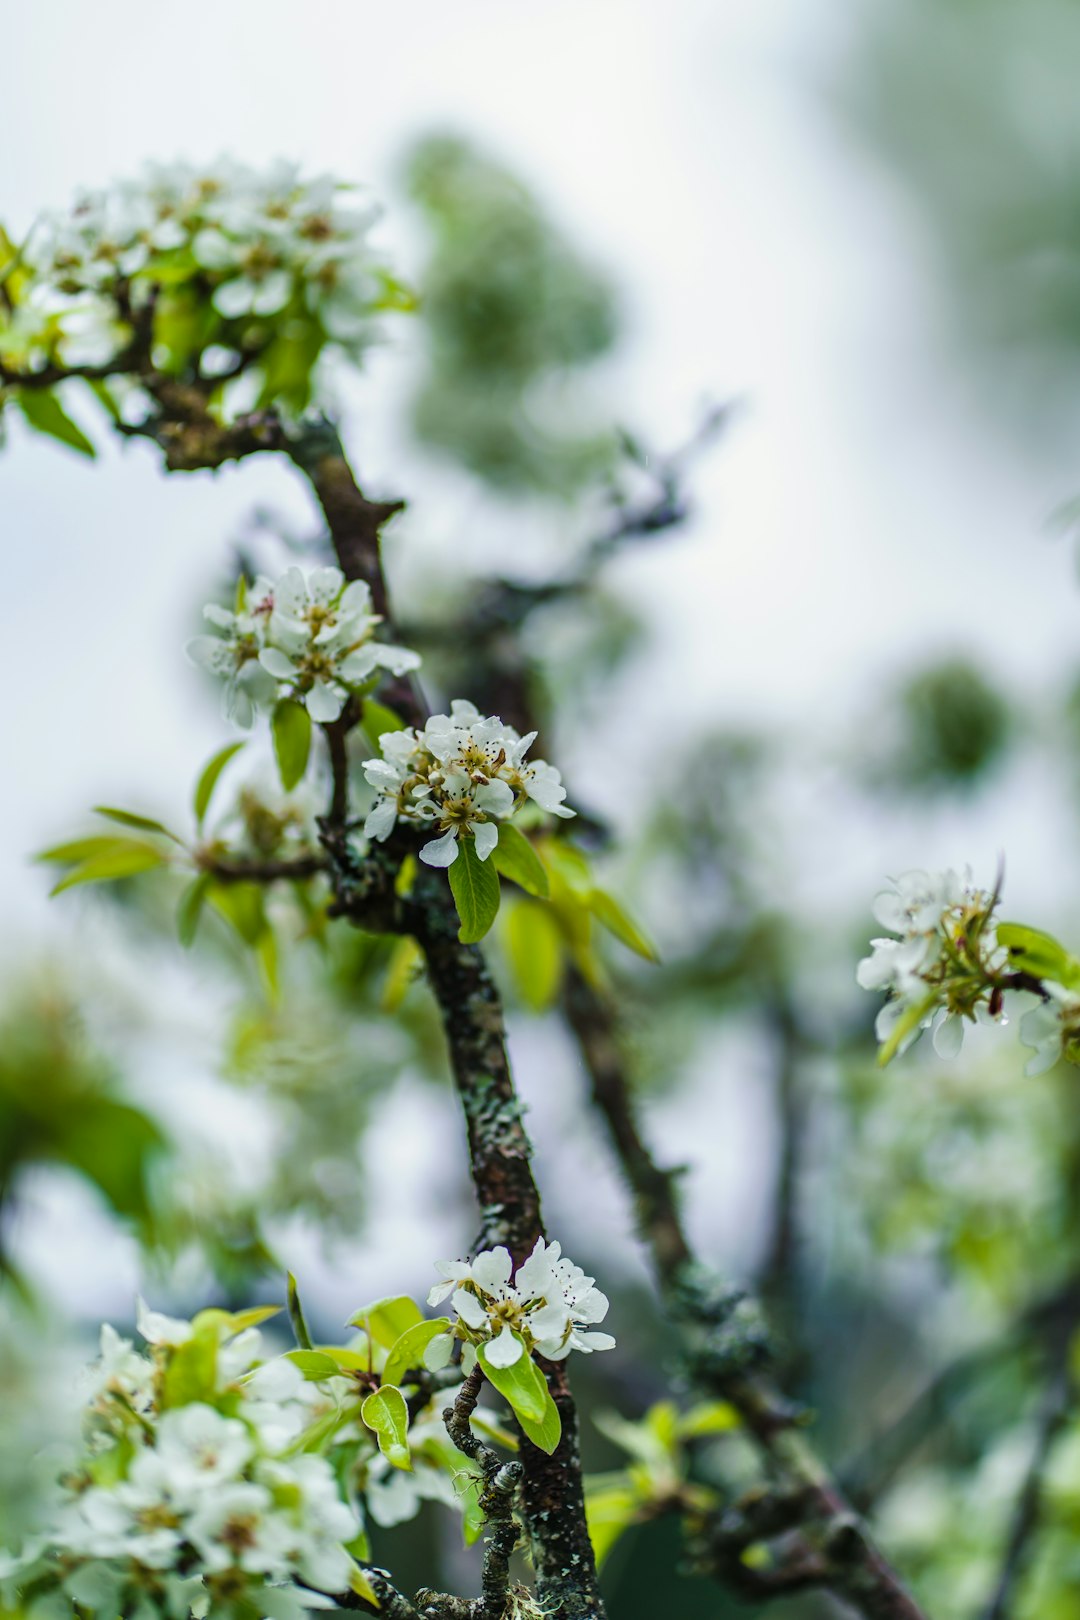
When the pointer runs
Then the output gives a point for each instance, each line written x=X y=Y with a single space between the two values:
x=312 y=639
x=461 y=775
x=261 y=242
x=192 y=1506
x=550 y=1307
x=943 y=967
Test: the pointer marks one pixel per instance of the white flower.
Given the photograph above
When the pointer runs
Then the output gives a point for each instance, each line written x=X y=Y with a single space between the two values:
x=550 y=1305
x=462 y=774
x=311 y=638
x=945 y=967
x=1051 y=1029
x=235 y=1526
x=197 y=1448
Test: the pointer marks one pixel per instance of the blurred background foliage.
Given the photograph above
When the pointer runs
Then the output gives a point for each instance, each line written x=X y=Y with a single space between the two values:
x=916 y=1234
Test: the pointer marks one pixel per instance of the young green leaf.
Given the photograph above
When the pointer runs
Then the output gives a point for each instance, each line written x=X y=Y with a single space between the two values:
x=126 y=860
x=296 y=1313
x=45 y=414
x=522 y=1384
x=547 y=1432
x=610 y=1510
x=314 y=1364
x=84 y=849
x=127 y=818
x=1032 y=951
x=475 y=887
x=387 y=1319
x=290 y=725
x=408 y=1351
x=377 y=719
x=535 y=950
x=517 y=860
x=611 y=915
x=403 y=968
x=363 y=1588
x=208 y=778
x=385 y=1412
x=242 y=905
x=189 y=910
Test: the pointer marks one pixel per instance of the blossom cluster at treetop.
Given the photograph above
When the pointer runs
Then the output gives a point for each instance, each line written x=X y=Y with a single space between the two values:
x=461 y=775
x=953 y=962
x=220 y=252
x=310 y=639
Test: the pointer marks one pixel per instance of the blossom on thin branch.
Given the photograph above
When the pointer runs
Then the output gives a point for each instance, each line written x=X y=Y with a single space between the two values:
x=550 y=1307
x=310 y=638
x=460 y=776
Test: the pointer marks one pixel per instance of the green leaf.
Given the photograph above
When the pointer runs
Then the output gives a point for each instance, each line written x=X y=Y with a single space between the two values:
x=377 y=719
x=242 y=905
x=522 y=1384
x=45 y=414
x=314 y=1364
x=191 y=1373
x=290 y=725
x=609 y=1512
x=387 y=1319
x=127 y=818
x=189 y=910
x=103 y=394
x=547 y=1433
x=296 y=1314
x=385 y=1412
x=535 y=952
x=517 y=860
x=570 y=863
x=408 y=1351
x=708 y=1417
x=363 y=1588
x=128 y=859
x=253 y=1316
x=207 y=782
x=1032 y=951
x=475 y=887
x=904 y=1025
x=83 y=849
x=404 y=967
x=612 y=916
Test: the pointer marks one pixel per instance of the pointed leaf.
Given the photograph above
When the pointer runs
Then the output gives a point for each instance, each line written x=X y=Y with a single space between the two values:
x=296 y=1314
x=1033 y=951
x=404 y=967
x=377 y=719
x=611 y=915
x=290 y=725
x=408 y=1351
x=385 y=1412
x=517 y=860
x=127 y=818
x=207 y=782
x=546 y=1433
x=314 y=1364
x=522 y=1383
x=45 y=414
x=535 y=949
x=107 y=867
x=475 y=887
x=189 y=910
x=387 y=1319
